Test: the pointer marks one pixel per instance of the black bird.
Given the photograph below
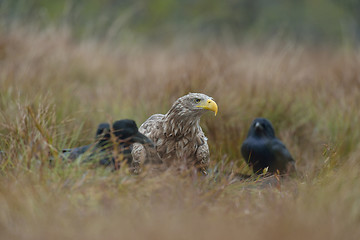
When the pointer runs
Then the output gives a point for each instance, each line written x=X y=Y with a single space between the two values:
x=102 y=138
x=111 y=144
x=262 y=149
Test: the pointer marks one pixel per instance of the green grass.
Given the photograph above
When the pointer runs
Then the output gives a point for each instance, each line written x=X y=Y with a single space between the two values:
x=55 y=91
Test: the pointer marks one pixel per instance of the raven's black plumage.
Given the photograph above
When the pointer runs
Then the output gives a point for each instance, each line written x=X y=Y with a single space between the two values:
x=262 y=149
x=102 y=138
x=111 y=142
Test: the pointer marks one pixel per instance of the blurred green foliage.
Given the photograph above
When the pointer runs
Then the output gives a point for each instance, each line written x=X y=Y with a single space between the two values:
x=305 y=20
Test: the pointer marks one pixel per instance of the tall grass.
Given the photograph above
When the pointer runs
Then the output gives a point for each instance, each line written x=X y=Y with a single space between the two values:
x=55 y=90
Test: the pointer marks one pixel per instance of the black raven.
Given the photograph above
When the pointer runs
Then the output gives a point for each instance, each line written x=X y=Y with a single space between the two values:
x=112 y=143
x=262 y=149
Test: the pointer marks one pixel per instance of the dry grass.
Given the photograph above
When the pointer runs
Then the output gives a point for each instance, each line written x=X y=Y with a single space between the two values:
x=55 y=90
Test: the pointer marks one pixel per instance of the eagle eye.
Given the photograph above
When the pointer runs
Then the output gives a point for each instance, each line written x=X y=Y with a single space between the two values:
x=197 y=100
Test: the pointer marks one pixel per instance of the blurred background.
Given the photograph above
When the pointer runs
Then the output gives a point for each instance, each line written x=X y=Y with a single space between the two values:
x=310 y=21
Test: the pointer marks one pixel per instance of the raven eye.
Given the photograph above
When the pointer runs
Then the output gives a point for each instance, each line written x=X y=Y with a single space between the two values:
x=197 y=100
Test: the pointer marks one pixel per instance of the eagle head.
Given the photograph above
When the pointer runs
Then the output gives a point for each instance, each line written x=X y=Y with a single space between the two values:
x=196 y=104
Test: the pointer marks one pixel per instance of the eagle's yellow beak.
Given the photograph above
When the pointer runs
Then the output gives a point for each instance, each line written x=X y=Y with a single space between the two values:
x=209 y=105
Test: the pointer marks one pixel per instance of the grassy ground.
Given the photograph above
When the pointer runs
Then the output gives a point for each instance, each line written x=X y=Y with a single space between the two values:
x=55 y=90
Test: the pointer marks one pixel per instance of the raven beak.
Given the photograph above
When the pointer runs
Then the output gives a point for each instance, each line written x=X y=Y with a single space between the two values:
x=141 y=138
x=258 y=126
x=209 y=105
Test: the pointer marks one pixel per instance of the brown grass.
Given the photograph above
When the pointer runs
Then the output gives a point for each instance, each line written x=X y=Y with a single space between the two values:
x=311 y=96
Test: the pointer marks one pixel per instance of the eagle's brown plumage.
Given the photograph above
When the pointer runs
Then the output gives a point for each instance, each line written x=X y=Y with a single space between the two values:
x=177 y=135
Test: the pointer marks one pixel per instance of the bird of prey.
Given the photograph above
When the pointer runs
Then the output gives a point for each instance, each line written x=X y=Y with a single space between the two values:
x=262 y=149
x=177 y=135
x=111 y=144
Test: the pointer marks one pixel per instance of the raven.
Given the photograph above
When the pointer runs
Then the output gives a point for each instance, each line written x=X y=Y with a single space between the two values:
x=111 y=144
x=262 y=149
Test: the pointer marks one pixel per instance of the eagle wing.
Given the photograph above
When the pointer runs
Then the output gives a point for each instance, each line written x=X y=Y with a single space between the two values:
x=150 y=128
x=202 y=152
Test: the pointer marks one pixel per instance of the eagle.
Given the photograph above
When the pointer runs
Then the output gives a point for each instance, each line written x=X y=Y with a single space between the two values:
x=261 y=149
x=112 y=143
x=177 y=135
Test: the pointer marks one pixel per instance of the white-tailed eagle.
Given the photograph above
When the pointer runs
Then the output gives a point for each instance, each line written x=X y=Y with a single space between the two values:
x=177 y=135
